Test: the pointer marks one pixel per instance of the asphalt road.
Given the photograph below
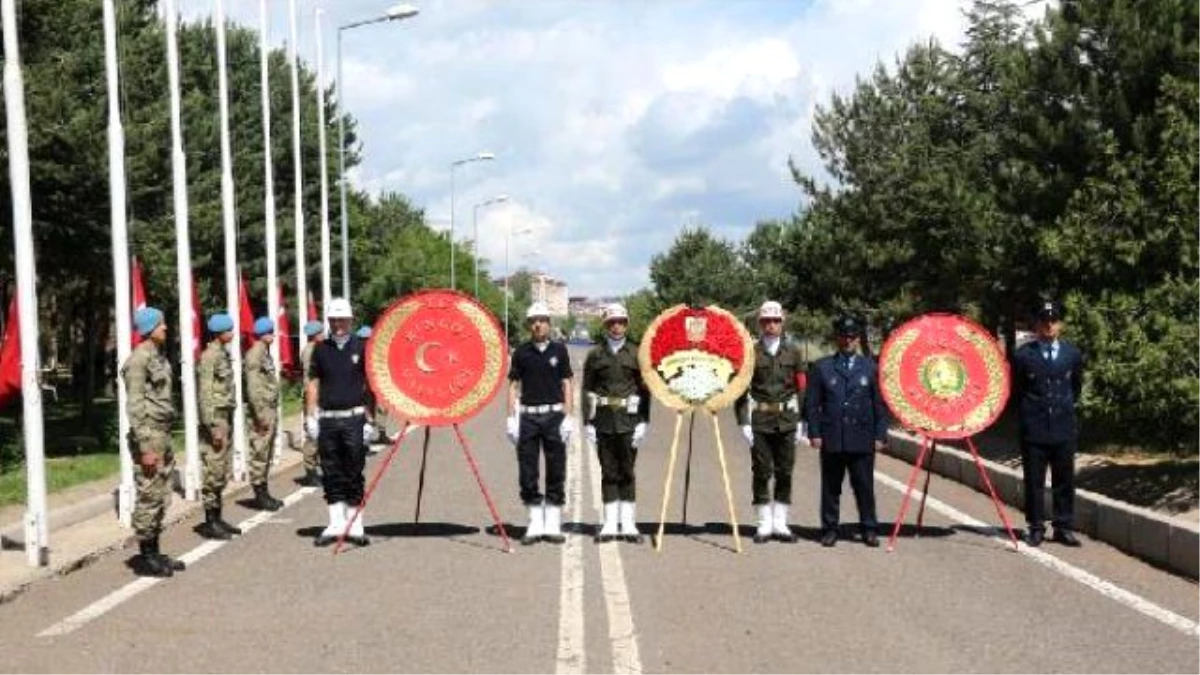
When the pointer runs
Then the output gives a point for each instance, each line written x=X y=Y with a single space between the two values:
x=444 y=596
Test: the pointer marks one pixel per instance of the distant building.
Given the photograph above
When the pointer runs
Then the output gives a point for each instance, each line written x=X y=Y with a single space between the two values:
x=551 y=291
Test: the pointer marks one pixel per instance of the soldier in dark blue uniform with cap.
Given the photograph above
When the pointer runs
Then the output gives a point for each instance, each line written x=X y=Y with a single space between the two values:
x=847 y=422
x=1047 y=376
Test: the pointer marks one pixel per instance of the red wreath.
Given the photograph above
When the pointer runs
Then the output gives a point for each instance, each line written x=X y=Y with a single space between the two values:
x=721 y=338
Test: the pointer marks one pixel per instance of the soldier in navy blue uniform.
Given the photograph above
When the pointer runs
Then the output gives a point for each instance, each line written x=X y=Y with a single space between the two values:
x=848 y=423
x=1047 y=376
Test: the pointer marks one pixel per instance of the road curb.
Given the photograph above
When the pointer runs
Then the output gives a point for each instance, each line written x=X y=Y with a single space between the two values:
x=1170 y=543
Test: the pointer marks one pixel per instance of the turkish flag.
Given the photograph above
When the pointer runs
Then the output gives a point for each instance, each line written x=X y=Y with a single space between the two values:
x=283 y=334
x=197 y=333
x=312 y=310
x=139 y=296
x=247 y=314
x=10 y=357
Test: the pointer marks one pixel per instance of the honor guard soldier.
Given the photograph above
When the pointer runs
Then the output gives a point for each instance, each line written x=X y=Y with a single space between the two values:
x=340 y=416
x=539 y=421
x=769 y=414
x=151 y=411
x=315 y=331
x=1047 y=376
x=262 y=393
x=848 y=423
x=216 y=394
x=616 y=410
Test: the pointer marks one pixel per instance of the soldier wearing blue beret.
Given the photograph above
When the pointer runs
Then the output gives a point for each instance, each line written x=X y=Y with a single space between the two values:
x=1047 y=377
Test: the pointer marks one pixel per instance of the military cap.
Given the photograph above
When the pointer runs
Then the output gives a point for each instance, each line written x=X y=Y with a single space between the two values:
x=146 y=320
x=220 y=323
x=364 y=332
x=847 y=325
x=263 y=326
x=313 y=328
x=1049 y=310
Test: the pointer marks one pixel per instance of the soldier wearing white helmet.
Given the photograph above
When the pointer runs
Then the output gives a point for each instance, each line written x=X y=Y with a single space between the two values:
x=340 y=415
x=539 y=421
x=769 y=414
x=616 y=410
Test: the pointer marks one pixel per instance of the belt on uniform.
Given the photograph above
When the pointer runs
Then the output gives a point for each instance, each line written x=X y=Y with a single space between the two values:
x=770 y=407
x=549 y=407
x=612 y=401
x=341 y=414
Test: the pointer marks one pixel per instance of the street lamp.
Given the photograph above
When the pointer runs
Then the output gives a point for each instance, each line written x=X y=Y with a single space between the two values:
x=507 y=274
x=395 y=13
x=475 y=224
x=478 y=157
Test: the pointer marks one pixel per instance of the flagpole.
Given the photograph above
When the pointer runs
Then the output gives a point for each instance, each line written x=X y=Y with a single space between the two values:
x=37 y=531
x=273 y=289
x=183 y=266
x=231 y=280
x=325 y=281
x=301 y=270
x=120 y=256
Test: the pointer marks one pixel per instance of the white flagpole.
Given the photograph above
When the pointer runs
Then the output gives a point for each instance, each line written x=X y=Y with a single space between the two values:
x=183 y=265
x=120 y=256
x=269 y=200
x=231 y=275
x=325 y=283
x=37 y=532
x=301 y=271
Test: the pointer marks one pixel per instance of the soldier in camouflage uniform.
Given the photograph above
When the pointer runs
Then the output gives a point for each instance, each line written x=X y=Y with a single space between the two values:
x=151 y=411
x=316 y=334
x=769 y=415
x=262 y=393
x=616 y=410
x=216 y=394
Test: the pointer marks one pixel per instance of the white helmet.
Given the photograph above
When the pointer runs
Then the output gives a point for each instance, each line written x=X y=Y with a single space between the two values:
x=537 y=309
x=770 y=310
x=615 y=311
x=339 y=308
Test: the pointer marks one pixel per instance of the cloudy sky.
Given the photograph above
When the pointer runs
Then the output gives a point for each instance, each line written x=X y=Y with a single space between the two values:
x=614 y=122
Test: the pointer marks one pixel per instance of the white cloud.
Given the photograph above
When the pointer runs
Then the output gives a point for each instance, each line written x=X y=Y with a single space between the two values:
x=614 y=123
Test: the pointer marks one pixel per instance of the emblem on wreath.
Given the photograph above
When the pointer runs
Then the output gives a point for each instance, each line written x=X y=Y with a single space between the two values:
x=697 y=356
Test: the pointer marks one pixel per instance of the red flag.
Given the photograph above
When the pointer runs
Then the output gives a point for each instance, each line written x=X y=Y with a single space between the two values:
x=197 y=332
x=247 y=314
x=10 y=357
x=283 y=334
x=312 y=310
x=139 y=296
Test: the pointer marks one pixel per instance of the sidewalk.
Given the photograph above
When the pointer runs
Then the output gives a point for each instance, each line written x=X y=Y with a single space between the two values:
x=84 y=524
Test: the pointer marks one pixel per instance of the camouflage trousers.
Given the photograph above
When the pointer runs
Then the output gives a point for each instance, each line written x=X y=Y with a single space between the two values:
x=309 y=450
x=153 y=492
x=262 y=448
x=218 y=463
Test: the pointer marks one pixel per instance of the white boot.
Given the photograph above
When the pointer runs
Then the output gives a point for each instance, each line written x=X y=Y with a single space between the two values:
x=356 y=535
x=337 y=523
x=765 y=524
x=629 y=530
x=609 y=530
x=554 y=533
x=537 y=528
x=780 y=527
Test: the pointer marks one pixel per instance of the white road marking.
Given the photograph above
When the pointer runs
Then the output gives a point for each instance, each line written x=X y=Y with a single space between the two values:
x=1105 y=588
x=572 y=652
x=137 y=586
x=621 y=633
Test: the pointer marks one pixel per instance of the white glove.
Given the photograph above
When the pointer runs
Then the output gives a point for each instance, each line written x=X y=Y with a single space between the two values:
x=312 y=427
x=566 y=430
x=512 y=428
x=639 y=432
x=748 y=434
x=368 y=432
x=801 y=433
x=589 y=431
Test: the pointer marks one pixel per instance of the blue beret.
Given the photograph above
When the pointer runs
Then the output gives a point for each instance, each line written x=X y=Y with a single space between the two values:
x=220 y=323
x=364 y=332
x=313 y=328
x=264 y=326
x=146 y=320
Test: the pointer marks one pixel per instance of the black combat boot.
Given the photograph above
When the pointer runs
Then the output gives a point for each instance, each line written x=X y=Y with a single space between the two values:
x=263 y=501
x=211 y=527
x=224 y=525
x=171 y=563
x=310 y=479
x=147 y=563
